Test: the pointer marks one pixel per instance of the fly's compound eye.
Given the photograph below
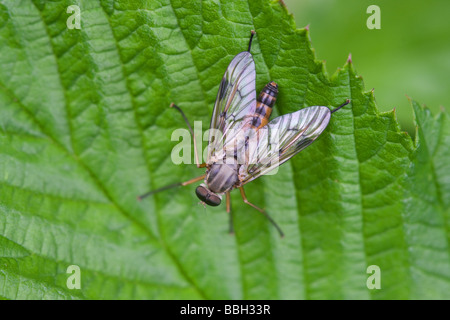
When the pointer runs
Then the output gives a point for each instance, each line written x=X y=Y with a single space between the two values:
x=207 y=196
x=213 y=200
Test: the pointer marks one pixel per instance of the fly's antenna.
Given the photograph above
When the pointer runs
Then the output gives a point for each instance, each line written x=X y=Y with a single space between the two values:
x=251 y=38
x=342 y=105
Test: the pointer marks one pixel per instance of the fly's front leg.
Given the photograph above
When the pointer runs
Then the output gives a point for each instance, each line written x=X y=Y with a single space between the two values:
x=197 y=161
x=179 y=184
x=193 y=180
x=244 y=198
x=228 y=197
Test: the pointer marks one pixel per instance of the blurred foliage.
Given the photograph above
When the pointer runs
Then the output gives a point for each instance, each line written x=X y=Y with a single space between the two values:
x=409 y=55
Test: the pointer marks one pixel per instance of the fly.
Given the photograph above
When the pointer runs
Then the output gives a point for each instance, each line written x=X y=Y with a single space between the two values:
x=243 y=144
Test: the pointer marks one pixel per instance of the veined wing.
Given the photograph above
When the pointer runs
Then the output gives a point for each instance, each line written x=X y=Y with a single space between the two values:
x=281 y=139
x=235 y=100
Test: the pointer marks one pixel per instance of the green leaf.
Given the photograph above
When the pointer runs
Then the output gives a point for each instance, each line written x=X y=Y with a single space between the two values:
x=85 y=127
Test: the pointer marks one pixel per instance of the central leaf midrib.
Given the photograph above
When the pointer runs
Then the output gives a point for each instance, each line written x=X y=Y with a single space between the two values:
x=161 y=234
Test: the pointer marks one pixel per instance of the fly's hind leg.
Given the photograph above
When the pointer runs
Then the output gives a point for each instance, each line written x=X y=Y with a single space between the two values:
x=244 y=198
x=197 y=159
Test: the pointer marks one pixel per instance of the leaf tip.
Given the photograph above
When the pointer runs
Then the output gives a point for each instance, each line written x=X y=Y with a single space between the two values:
x=394 y=113
x=306 y=27
x=349 y=59
x=282 y=3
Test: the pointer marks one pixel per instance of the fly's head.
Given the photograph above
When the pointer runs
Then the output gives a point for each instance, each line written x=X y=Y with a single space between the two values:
x=207 y=196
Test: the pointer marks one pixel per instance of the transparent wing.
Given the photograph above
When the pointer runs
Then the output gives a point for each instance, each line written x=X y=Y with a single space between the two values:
x=235 y=100
x=281 y=139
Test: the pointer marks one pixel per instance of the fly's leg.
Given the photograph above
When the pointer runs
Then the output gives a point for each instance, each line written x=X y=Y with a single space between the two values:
x=179 y=184
x=193 y=180
x=342 y=105
x=197 y=161
x=229 y=212
x=244 y=198
x=199 y=165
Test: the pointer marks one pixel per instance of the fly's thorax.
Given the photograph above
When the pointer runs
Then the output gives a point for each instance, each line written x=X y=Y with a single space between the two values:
x=221 y=177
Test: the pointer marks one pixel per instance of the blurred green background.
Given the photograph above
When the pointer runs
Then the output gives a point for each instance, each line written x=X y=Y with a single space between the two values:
x=409 y=55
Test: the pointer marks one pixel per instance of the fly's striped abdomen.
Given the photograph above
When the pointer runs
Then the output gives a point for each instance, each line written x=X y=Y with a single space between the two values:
x=264 y=104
